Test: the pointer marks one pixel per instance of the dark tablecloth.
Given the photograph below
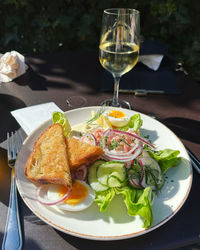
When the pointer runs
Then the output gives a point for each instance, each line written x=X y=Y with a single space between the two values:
x=56 y=77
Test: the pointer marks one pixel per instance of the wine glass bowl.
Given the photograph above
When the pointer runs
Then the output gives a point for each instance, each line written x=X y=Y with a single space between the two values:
x=119 y=46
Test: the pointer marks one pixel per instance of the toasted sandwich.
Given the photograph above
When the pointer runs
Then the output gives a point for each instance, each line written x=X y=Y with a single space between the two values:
x=80 y=153
x=48 y=162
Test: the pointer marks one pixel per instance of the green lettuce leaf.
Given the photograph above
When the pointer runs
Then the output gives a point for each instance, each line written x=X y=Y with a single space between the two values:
x=166 y=158
x=104 y=198
x=59 y=117
x=135 y=122
x=138 y=202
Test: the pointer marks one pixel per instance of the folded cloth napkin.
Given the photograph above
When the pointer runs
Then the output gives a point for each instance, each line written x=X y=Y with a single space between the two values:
x=31 y=117
x=152 y=53
x=151 y=61
x=12 y=65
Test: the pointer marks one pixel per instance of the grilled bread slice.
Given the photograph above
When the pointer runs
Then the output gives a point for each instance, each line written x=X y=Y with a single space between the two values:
x=48 y=163
x=80 y=153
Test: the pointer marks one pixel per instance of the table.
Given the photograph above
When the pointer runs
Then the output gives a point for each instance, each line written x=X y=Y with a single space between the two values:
x=56 y=77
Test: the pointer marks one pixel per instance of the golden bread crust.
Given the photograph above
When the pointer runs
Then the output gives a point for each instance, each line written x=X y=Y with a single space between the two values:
x=48 y=163
x=80 y=153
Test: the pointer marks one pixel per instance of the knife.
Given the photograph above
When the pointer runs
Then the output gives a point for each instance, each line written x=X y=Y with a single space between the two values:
x=193 y=158
x=141 y=92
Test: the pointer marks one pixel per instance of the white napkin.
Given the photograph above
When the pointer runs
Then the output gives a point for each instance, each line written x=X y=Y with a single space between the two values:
x=151 y=61
x=12 y=65
x=31 y=117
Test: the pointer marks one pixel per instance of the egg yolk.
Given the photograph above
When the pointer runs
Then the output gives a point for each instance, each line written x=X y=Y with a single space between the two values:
x=78 y=194
x=116 y=114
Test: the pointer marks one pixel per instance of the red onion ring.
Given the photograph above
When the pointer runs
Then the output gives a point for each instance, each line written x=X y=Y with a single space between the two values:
x=127 y=158
x=114 y=153
x=42 y=190
x=81 y=173
x=133 y=183
x=118 y=153
x=91 y=137
x=130 y=134
x=135 y=151
x=112 y=158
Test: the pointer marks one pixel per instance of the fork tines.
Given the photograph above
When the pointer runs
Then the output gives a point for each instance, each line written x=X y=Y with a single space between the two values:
x=14 y=143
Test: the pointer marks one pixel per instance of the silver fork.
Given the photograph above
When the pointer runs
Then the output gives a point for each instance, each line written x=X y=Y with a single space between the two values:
x=13 y=236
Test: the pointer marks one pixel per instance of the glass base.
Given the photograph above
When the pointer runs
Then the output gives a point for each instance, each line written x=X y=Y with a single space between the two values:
x=121 y=104
x=76 y=101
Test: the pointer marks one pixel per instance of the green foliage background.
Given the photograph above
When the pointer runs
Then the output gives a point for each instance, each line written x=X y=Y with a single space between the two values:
x=32 y=26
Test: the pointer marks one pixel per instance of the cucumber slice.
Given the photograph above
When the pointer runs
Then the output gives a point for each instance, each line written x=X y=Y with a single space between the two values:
x=113 y=181
x=92 y=177
x=153 y=175
x=111 y=169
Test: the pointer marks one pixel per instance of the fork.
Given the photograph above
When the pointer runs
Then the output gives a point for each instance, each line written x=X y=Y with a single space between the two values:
x=13 y=236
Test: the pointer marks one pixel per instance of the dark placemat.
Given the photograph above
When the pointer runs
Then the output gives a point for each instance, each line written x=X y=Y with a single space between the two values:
x=142 y=78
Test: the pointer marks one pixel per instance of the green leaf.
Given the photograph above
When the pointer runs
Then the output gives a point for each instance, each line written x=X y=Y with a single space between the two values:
x=104 y=198
x=166 y=158
x=135 y=122
x=59 y=117
x=138 y=202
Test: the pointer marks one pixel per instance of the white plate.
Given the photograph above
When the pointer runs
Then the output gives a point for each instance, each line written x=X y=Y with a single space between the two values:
x=114 y=224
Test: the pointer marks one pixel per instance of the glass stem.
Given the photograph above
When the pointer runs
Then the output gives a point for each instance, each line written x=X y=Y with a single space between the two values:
x=115 y=102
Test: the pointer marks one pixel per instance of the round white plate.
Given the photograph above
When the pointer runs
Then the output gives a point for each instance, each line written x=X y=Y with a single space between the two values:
x=114 y=224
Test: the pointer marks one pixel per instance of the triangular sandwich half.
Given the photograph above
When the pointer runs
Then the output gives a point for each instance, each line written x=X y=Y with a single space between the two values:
x=48 y=163
x=80 y=152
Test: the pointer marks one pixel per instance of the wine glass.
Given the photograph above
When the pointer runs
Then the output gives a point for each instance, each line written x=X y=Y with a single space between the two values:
x=119 y=47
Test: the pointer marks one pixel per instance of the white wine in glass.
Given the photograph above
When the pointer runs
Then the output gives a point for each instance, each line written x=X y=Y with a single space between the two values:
x=119 y=47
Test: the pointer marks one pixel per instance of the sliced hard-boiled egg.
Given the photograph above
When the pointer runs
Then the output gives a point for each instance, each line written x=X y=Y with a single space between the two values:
x=117 y=118
x=80 y=198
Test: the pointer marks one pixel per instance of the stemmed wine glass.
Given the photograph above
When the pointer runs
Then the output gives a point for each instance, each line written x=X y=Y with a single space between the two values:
x=119 y=47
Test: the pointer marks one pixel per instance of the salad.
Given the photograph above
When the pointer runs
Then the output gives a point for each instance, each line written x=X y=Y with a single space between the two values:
x=131 y=165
